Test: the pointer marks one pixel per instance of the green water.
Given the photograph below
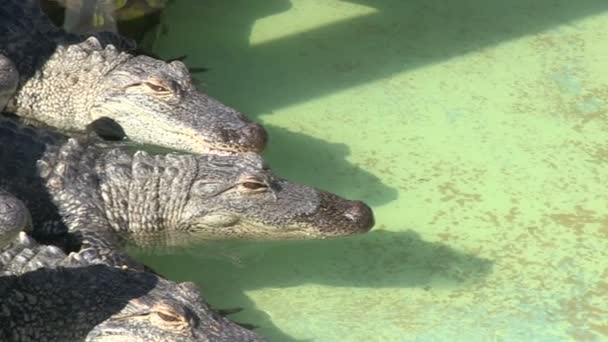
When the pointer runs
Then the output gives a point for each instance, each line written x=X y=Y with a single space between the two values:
x=477 y=130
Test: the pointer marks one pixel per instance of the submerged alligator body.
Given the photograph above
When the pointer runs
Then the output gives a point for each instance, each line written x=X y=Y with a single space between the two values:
x=110 y=196
x=41 y=300
x=73 y=83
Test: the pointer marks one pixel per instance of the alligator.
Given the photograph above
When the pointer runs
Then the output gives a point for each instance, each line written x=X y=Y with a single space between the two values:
x=104 y=303
x=109 y=196
x=22 y=254
x=52 y=78
x=62 y=301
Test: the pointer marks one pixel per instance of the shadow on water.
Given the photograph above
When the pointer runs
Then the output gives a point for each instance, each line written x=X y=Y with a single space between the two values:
x=322 y=164
x=379 y=259
x=397 y=36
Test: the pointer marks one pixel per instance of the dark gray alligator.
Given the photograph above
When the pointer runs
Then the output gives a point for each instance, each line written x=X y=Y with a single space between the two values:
x=70 y=82
x=105 y=320
x=110 y=196
x=44 y=301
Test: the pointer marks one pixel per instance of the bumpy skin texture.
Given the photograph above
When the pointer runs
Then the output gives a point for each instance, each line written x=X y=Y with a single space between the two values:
x=103 y=303
x=110 y=196
x=69 y=82
x=14 y=218
x=23 y=254
x=9 y=80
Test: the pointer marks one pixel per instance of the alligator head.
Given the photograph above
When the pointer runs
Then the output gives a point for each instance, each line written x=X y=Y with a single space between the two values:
x=175 y=199
x=102 y=303
x=168 y=312
x=152 y=101
x=86 y=302
x=249 y=200
x=155 y=102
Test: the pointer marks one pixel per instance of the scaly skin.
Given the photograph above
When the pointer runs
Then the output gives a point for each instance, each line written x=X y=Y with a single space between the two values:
x=69 y=81
x=14 y=218
x=9 y=80
x=42 y=300
x=110 y=196
x=23 y=254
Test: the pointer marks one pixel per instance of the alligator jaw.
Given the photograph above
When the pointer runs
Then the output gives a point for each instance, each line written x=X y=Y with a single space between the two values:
x=199 y=144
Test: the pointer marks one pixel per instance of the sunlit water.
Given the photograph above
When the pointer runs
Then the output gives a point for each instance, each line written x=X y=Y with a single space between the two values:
x=476 y=129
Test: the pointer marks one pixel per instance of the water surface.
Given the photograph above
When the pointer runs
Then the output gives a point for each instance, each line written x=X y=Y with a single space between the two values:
x=476 y=129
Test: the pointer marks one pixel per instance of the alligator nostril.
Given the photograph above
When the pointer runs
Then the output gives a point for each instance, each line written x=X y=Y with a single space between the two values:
x=254 y=137
x=361 y=215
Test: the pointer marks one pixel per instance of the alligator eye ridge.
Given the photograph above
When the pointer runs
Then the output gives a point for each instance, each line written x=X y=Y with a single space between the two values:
x=253 y=185
x=157 y=88
x=167 y=318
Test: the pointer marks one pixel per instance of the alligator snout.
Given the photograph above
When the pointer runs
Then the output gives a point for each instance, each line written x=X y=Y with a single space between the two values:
x=254 y=137
x=249 y=138
x=361 y=216
x=337 y=216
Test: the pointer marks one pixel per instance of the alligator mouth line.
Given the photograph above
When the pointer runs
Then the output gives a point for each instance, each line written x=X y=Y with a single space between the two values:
x=193 y=139
x=256 y=231
x=211 y=148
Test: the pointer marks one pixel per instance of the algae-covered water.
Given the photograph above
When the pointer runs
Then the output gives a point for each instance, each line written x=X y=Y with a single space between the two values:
x=478 y=132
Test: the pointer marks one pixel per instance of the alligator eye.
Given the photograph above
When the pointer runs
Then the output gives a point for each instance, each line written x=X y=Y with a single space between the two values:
x=167 y=318
x=157 y=88
x=253 y=185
